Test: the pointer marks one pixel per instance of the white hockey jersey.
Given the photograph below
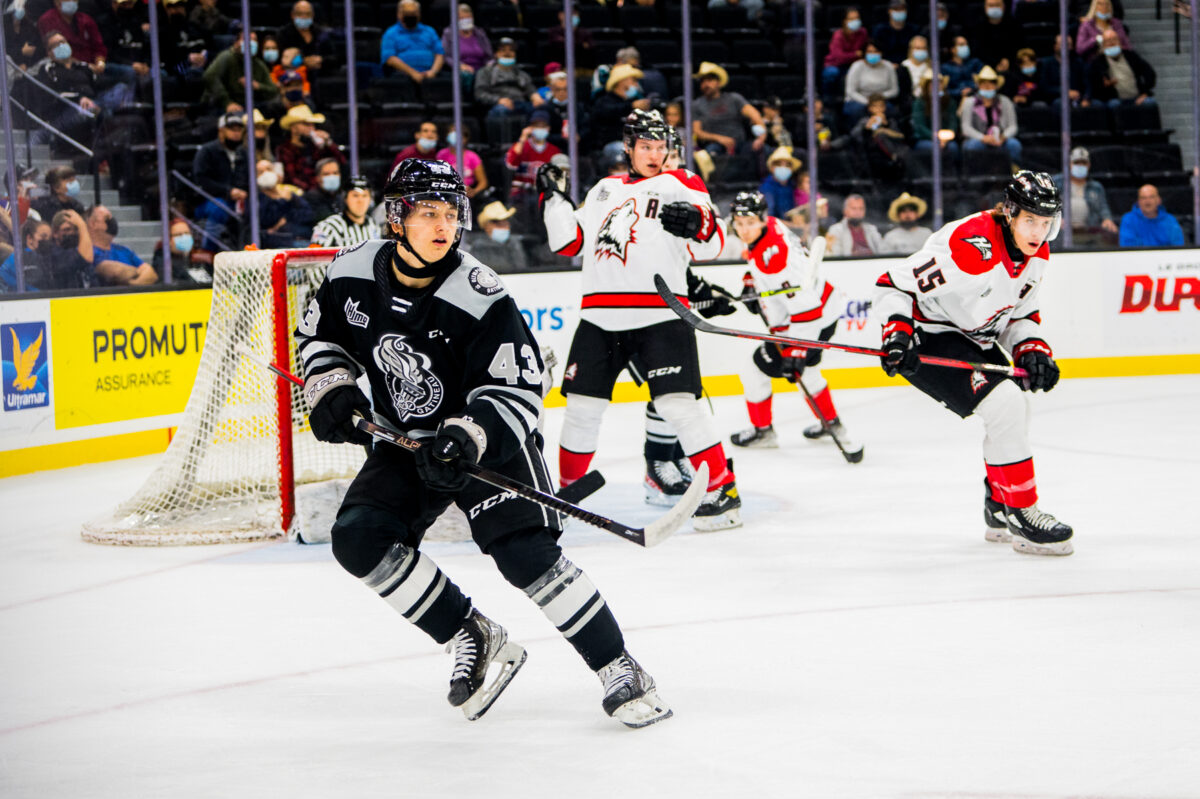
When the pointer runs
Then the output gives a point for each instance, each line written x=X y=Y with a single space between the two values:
x=963 y=279
x=779 y=260
x=617 y=230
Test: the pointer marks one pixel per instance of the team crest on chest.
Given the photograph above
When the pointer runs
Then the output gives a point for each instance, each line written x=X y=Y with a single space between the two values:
x=415 y=390
x=355 y=316
x=618 y=231
x=484 y=281
x=983 y=244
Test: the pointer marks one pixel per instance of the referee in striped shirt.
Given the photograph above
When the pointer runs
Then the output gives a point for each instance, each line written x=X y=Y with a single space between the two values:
x=352 y=225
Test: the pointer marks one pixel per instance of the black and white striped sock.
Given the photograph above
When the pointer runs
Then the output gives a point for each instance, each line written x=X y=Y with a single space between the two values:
x=573 y=605
x=414 y=585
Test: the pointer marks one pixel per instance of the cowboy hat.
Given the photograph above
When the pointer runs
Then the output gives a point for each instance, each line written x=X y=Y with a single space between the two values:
x=260 y=120
x=987 y=73
x=620 y=73
x=903 y=200
x=300 y=113
x=927 y=79
x=785 y=154
x=716 y=70
x=494 y=212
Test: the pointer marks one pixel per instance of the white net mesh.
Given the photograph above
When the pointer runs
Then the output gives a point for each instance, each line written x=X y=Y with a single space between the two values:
x=219 y=480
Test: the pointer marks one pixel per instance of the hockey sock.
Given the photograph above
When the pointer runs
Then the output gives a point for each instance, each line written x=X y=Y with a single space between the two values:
x=1005 y=415
x=1015 y=482
x=661 y=442
x=573 y=605
x=572 y=465
x=696 y=434
x=760 y=412
x=718 y=471
x=580 y=436
x=822 y=405
x=413 y=584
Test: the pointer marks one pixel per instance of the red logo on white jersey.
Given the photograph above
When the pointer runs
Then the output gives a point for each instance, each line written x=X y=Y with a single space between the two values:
x=617 y=233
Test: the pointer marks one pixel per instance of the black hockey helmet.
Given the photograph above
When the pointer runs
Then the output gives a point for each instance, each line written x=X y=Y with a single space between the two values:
x=1036 y=193
x=646 y=125
x=414 y=182
x=749 y=203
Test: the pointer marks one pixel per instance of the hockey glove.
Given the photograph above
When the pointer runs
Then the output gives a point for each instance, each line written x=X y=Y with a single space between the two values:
x=900 y=347
x=552 y=180
x=716 y=300
x=776 y=361
x=439 y=461
x=1034 y=356
x=335 y=398
x=749 y=296
x=687 y=221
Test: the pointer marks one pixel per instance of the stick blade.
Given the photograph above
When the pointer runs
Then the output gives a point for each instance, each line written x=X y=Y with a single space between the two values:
x=582 y=488
x=661 y=529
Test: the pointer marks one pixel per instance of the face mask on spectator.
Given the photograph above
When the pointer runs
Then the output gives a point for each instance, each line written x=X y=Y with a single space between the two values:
x=19 y=13
x=963 y=51
x=268 y=180
x=782 y=173
x=62 y=51
x=232 y=144
x=574 y=20
x=184 y=242
x=540 y=133
x=1102 y=16
x=900 y=17
x=853 y=222
x=873 y=58
x=110 y=226
x=758 y=130
x=270 y=55
x=466 y=25
x=302 y=23
x=452 y=138
x=853 y=25
x=1079 y=171
x=995 y=13
x=426 y=143
x=69 y=241
x=506 y=61
x=920 y=55
x=73 y=187
x=331 y=183
x=294 y=94
x=633 y=92
x=1113 y=52
x=45 y=247
x=253 y=48
x=69 y=7
x=500 y=234
x=409 y=21
x=987 y=94
x=1030 y=70
x=941 y=24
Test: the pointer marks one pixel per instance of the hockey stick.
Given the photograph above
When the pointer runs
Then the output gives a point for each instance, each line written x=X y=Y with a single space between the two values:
x=705 y=326
x=651 y=535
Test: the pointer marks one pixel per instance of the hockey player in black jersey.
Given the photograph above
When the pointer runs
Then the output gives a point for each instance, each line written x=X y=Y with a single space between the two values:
x=451 y=363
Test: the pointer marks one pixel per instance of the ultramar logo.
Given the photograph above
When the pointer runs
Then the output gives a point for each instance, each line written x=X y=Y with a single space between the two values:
x=617 y=233
x=491 y=502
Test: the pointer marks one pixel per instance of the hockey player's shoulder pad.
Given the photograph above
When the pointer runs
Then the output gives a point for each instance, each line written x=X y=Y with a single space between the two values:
x=689 y=179
x=977 y=244
x=357 y=261
x=473 y=287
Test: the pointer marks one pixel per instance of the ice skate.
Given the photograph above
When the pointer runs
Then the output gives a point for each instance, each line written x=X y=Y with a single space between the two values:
x=629 y=693
x=1035 y=532
x=665 y=483
x=852 y=448
x=476 y=647
x=994 y=517
x=720 y=510
x=760 y=437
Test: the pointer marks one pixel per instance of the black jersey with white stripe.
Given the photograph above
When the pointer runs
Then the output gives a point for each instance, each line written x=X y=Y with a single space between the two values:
x=457 y=347
x=338 y=230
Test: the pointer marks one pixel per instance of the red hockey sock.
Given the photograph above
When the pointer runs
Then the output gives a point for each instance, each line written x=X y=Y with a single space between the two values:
x=572 y=465
x=718 y=472
x=1014 y=482
x=760 y=412
x=822 y=405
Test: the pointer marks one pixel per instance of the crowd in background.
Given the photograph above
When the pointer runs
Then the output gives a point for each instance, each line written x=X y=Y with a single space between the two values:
x=1000 y=70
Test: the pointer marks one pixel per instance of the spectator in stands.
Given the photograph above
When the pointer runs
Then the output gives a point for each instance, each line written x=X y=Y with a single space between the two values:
x=35 y=259
x=220 y=168
x=909 y=235
x=1091 y=218
x=948 y=31
x=549 y=73
x=854 y=235
x=493 y=241
x=75 y=81
x=351 y=223
x=1022 y=82
x=871 y=74
x=181 y=245
x=1148 y=224
x=882 y=144
x=474 y=176
x=21 y=37
x=529 y=152
x=1098 y=21
x=474 y=47
x=128 y=42
x=922 y=120
x=585 y=54
x=1050 y=76
x=304 y=147
x=653 y=82
x=778 y=134
x=184 y=52
x=779 y=187
x=310 y=38
x=989 y=119
x=424 y=146
x=115 y=264
x=64 y=186
x=504 y=88
x=71 y=256
x=410 y=48
x=325 y=197
x=79 y=30
x=997 y=37
x=797 y=219
x=270 y=54
x=209 y=19
x=1119 y=77
x=917 y=62
x=823 y=121
x=961 y=68
x=622 y=94
x=848 y=44
x=892 y=37
x=673 y=116
x=284 y=218
x=262 y=138
x=556 y=105
x=224 y=78
x=719 y=118
x=294 y=88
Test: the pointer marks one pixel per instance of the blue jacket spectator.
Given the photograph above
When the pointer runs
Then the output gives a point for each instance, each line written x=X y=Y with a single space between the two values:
x=892 y=37
x=1149 y=224
x=961 y=69
x=413 y=46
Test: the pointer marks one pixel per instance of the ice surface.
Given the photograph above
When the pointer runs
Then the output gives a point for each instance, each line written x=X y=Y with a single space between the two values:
x=858 y=638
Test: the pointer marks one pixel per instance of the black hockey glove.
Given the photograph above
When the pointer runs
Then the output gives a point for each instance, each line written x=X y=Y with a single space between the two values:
x=749 y=296
x=439 y=461
x=552 y=180
x=715 y=300
x=1034 y=356
x=686 y=221
x=900 y=347
x=334 y=398
x=774 y=360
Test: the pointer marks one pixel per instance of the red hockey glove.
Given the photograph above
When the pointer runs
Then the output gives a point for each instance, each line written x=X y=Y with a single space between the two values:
x=1034 y=356
x=900 y=347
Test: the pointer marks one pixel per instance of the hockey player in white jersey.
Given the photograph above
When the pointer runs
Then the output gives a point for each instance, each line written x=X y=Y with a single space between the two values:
x=971 y=293
x=631 y=227
x=779 y=260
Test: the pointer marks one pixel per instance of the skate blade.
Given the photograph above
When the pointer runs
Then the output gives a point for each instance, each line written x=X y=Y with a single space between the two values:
x=757 y=443
x=724 y=521
x=642 y=712
x=510 y=659
x=997 y=536
x=1027 y=547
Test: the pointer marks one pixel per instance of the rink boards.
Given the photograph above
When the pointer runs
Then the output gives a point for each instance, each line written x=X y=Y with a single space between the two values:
x=89 y=379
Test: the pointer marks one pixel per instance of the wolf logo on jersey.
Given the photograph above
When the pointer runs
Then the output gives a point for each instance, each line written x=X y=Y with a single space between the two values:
x=415 y=390
x=617 y=232
x=982 y=244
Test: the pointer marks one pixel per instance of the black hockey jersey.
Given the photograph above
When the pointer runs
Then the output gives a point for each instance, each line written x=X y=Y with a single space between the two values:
x=458 y=347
